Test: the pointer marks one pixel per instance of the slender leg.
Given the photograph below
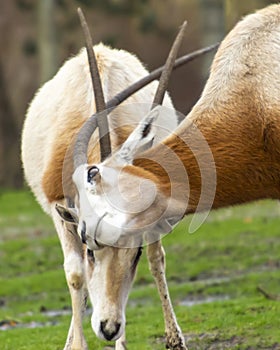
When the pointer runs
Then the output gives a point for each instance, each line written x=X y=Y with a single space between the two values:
x=174 y=336
x=74 y=272
x=72 y=343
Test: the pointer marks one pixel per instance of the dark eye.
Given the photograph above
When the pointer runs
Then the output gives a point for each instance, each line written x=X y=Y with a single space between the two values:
x=92 y=172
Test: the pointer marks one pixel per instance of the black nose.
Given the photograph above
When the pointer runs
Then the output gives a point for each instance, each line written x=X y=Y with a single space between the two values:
x=109 y=329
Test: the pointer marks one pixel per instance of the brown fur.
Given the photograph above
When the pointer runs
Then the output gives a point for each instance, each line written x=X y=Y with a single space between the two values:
x=119 y=269
x=52 y=179
x=57 y=179
x=243 y=137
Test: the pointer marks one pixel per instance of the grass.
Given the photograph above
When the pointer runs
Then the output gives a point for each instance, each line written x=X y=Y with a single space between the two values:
x=213 y=277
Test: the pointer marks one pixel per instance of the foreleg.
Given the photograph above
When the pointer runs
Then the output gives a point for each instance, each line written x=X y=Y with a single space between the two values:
x=174 y=336
x=74 y=272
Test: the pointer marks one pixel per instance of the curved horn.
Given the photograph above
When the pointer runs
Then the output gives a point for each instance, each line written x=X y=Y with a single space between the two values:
x=168 y=67
x=102 y=120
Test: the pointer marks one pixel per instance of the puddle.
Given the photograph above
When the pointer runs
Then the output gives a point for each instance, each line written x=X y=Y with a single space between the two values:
x=56 y=313
x=6 y=325
x=52 y=314
x=200 y=300
x=11 y=324
x=214 y=280
x=205 y=280
x=63 y=312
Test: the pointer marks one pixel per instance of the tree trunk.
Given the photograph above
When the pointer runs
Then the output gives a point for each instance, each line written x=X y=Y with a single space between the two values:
x=47 y=39
x=10 y=164
x=236 y=9
x=212 y=14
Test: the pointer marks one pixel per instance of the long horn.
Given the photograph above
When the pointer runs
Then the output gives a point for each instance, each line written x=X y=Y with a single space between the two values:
x=168 y=67
x=140 y=139
x=102 y=120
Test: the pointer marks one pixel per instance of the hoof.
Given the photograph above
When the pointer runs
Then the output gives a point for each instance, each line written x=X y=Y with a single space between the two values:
x=175 y=342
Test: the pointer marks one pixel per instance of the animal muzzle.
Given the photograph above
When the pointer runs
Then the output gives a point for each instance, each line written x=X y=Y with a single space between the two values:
x=110 y=330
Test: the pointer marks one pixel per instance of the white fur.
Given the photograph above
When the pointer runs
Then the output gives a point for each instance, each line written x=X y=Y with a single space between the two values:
x=69 y=94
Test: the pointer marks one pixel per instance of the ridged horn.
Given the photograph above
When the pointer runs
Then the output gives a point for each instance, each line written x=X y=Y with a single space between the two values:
x=102 y=116
x=168 y=67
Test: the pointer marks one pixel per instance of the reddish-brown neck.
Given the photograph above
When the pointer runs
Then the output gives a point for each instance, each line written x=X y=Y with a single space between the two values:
x=243 y=154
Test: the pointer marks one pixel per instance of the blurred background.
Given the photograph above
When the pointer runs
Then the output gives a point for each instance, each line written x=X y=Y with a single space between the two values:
x=37 y=36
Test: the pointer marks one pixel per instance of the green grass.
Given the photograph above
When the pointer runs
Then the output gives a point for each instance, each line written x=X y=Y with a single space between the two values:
x=234 y=252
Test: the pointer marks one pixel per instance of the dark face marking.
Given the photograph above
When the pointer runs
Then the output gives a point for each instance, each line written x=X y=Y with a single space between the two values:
x=90 y=255
x=137 y=257
x=146 y=130
x=83 y=233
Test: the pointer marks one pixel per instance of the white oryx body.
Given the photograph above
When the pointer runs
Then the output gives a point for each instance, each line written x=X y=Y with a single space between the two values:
x=63 y=104
x=54 y=117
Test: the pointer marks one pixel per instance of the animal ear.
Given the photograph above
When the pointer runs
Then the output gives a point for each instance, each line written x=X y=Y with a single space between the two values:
x=140 y=139
x=67 y=214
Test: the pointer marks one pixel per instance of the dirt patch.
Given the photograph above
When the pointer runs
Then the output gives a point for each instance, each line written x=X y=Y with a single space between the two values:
x=211 y=342
x=6 y=325
x=196 y=300
x=207 y=341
